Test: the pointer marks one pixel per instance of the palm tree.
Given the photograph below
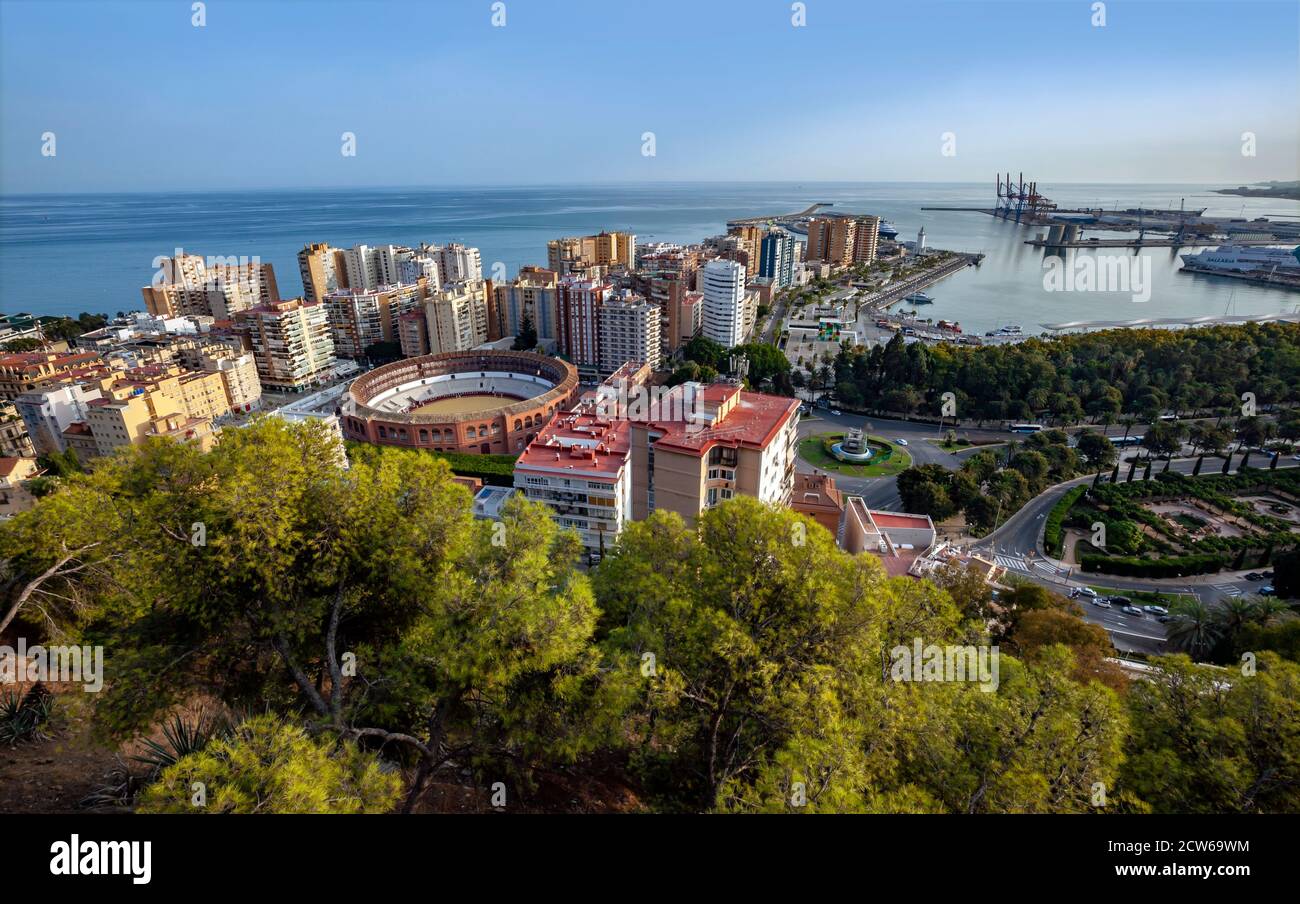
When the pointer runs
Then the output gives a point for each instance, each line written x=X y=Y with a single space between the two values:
x=1128 y=421
x=1233 y=616
x=1193 y=628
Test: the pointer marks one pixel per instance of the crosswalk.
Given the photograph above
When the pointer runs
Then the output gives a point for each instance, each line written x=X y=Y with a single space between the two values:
x=1024 y=565
x=1227 y=589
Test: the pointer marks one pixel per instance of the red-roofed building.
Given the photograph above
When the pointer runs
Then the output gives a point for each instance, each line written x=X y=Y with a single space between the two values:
x=898 y=539
x=629 y=450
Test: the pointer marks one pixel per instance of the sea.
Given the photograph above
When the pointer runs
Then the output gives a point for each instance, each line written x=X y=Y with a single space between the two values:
x=68 y=253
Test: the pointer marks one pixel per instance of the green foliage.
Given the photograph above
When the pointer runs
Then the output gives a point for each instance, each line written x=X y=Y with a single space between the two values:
x=1168 y=567
x=526 y=341
x=1053 y=537
x=268 y=765
x=1101 y=373
x=497 y=470
x=1208 y=740
x=24 y=717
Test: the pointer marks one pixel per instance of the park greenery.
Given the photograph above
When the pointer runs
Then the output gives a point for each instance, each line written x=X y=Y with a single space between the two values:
x=1142 y=543
x=1099 y=377
x=992 y=484
x=367 y=638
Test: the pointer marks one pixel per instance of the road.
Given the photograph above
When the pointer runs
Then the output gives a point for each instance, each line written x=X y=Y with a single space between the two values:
x=1015 y=544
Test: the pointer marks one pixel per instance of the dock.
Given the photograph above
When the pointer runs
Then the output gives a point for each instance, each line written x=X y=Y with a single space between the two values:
x=896 y=292
x=1146 y=242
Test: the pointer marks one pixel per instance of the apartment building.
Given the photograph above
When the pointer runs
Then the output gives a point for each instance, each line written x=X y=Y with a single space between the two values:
x=15 y=497
x=23 y=371
x=457 y=317
x=360 y=318
x=236 y=369
x=722 y=283
x=456 y=262
x=687 y=449
x=629 y=330
x=578 y=255
x=15 y=436
x=533 y=297
x=291 y=343
x=843 y=241
x=132 y=413
x=578 y=303
x=49 y=410
x=776 y=258
x=219 y=288
x=323 y=270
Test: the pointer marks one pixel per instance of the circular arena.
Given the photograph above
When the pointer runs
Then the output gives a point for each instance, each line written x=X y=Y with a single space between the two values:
x=477 y=401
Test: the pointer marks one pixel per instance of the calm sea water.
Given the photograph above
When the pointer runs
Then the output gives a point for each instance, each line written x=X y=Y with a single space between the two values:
x=62 y=254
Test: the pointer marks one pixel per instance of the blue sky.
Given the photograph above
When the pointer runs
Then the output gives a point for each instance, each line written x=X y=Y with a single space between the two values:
x=140 y=99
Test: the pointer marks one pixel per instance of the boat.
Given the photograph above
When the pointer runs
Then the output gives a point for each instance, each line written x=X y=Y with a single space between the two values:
x=887 y=230
x=919 y=298
x=1243 y=259
x=1012 y=330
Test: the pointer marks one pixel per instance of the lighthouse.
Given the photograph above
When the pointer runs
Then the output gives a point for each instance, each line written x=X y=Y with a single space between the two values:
x=920 y=241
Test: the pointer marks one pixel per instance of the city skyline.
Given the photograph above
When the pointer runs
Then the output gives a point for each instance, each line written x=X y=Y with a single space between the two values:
x=139 y=98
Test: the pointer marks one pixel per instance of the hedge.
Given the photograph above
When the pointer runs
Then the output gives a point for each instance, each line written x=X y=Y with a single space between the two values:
x=1053 y=535
x=498 y=470
x=1174 y=566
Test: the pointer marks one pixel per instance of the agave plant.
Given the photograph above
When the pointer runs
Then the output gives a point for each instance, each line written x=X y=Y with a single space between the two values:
x=24 y=717
x=180 y=738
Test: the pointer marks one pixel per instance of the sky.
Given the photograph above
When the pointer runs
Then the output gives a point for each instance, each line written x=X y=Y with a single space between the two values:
x=139 y=98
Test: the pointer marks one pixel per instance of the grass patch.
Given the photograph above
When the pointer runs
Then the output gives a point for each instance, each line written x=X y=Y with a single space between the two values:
x=815 y=450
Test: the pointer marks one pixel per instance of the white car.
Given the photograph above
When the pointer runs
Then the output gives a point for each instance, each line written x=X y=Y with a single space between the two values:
x=1101 y=602
x=1083 y=591
x=835 y=412
x=901 y=442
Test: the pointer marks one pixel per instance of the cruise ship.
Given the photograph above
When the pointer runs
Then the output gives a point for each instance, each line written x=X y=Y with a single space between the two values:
x=1243 y=259
x=886 y=230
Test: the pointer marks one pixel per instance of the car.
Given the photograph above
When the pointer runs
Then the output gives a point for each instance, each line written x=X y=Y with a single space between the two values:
x=1268 y=590
x=901 y=442
x=1155 y=610
x=1120 y=600
x=1101 y=602
x=1268 y=575
x=1134 y=611
x=835 y=412
x=1254 y=576
x=1083 y=591
x=1295 y=457
x=1165 y=619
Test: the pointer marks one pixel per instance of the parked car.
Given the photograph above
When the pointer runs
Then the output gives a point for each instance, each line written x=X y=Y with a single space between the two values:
x=1155 y=610
x=1134 y=611
x=1268 y=590
x=901 y=442
x=1101 y=602
x=1254 y=576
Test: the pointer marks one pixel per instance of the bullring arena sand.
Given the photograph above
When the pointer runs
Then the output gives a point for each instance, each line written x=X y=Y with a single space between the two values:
x=465 y=404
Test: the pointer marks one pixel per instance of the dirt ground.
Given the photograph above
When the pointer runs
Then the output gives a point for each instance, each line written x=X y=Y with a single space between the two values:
x=53 y=775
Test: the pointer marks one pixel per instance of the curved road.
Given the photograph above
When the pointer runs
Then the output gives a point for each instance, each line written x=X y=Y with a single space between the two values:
x=1016 y=543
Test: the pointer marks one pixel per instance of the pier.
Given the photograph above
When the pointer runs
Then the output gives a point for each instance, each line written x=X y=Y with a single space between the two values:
x=1146 y=242
x=895 y=292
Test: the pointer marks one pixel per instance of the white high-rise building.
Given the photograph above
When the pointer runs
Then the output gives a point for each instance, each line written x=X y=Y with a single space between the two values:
x=456 y=262
x=722 y=283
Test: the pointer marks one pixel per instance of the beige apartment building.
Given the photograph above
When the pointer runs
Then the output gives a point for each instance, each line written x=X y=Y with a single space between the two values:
x=843 y=241
x=24 y=371
x=189 y=284
x=579 y=254
x=323 y=270
x=360 y=318
x=15 y=497
x=15 y=438
x=132 y=413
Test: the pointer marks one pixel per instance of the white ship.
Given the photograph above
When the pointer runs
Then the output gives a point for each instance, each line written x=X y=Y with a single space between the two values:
x=1242 y=259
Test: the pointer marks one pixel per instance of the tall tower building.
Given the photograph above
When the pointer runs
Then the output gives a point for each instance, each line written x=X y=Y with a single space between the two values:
x=629 y=331
x=722 y=283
